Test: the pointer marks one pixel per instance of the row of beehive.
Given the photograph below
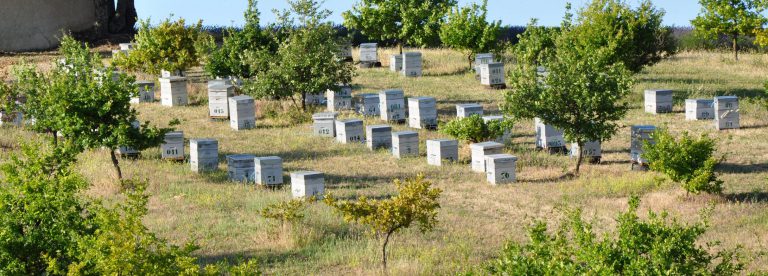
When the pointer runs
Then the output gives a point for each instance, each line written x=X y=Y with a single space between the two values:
x=724 y=110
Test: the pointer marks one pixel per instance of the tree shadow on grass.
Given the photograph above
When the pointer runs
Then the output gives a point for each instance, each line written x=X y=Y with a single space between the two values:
x=757 y=126
x=445 y=74
x=749 y=197
x=741 y=168
x=566 y=176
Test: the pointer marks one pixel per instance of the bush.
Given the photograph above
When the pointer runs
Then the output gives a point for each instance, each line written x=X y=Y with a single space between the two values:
x=686 y=160
x=656 y=246
x=474 y=129
x=169 y=46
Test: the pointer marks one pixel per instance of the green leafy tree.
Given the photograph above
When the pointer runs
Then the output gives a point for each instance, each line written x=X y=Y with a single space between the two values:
x=732 y=18
x=411 y=22
x=168 y=46
x=686 y=160
x=468 y=30
x=534 y=45
x=654 y=246
x=474 y=129
x=304 y=63
x=287 y=212
x=416 y=202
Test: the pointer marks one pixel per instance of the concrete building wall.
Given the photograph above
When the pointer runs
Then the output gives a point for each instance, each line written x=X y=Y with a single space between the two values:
x=27 y=25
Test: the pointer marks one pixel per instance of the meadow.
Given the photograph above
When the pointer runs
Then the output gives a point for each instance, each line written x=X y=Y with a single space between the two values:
x=476 y=219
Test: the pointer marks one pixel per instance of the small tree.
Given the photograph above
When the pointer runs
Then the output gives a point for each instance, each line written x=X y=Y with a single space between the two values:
x=416 y=202
x=467 y=30
x=686 y=160
x=730 y=17
x=286 y=212
x=474 y=129
x=168 y=46
x=534 y=45
x=412 y=22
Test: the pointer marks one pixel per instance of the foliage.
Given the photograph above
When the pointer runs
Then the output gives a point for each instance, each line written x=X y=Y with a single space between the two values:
x=474 y=129
x=416 y=202
x=304 y=63
x=535 y=43
x=686 y=160
x=656 y=246
x=168 y=46
x=287 y=212
x=732 y=18
x=411 y=22
x=467 y=30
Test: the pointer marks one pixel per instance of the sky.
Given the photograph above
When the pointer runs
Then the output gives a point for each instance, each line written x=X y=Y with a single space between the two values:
x=510 y=12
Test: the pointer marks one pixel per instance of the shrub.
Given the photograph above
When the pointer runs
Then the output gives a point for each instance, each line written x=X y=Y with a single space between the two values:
x=286 y=212
x=686 y=160
x=474 y=129
x=656 y=246
x=169 y=46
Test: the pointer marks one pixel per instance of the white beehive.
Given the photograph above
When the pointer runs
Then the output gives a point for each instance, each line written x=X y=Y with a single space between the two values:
x=442 y=150
x=173 y=91
x=13 y=118
x=726 y=112
x=500 y=168
x=146 y=92
x=422 y=112
x=369 y=52
x=219 y=81
x=339 y=100
x=405 y=143
x=172 y=147
x=412 y=64
x=367 y=104
x=350 y=131
x=466 y=110
x=307 y=184
x=591 y=149
x=219 y=93
x=638 y=136
x=480 y=150
x=126 y=46
x=507 y=135
x=547 y=136
x=492 y=74
x=168 y=74
x=242 y=112
x=204 y=155
x=395 y=63
x=658 y=101
x=240 y=167
x=126 y=151
x=345 y=53
x=324 y=124
x=699 y=109
x=315 y=99
x=480 y=59
x=392 y=105
x=378 y=136
x=268 y=170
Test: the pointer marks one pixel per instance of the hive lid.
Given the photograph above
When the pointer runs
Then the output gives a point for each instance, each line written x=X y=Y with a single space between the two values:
x=368 y=45
x=220 y=86
x=704 y=101
x=659 y=91
x=392 y=92
x=501 y=157
x=727 y=98
x=422 y=99
x=375 y=128
x=406 y=133
x=325 y=115
x=307 y=174
x=351 y=121
x=483 y=56
x=241 y=157
x=174 y=78
x=486 y=145
x=175 y=134
x=241 y=98
x=412 y=54
x=469 y=105
x=201 y=141
x=144 y=83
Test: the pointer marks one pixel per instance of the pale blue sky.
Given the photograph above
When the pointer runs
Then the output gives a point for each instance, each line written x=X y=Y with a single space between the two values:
x=510 y=12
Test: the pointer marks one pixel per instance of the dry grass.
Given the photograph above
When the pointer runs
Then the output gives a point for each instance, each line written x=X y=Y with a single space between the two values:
x=476 y=218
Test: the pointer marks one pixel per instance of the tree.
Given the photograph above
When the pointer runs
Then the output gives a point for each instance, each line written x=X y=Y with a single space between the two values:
x=686 y=160
x=412 y=22
x=416 y=202
x=168 y=46
x=730 y=17
x=467 y=30
x=655 y=246
x=535 y=43
x=304 y=63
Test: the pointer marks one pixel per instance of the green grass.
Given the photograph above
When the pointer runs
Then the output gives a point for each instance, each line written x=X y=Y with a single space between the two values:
x=476 y=219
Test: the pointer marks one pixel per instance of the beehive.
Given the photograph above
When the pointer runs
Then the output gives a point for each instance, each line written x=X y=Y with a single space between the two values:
x=411 y=64
x=218 y=99
x=324 y=124
x=168 y=74
x=492 y=74
x=126 y=46
x=367 y=104
x=506 y=136
x=369 y=53
x=173 y=91
x=547 y=136
x=378 y=136
x=699 y=109
x=204 y=155
x=240 y=167
x=727 y=112
x=349 y=131
x=268 y=170
x=14 y=118
x=480 y=59
x=500 y=168
x=466 y=110
x=172 y=147
x=392 y=105
x=405 y=143
x=592 y=150
x=442 y=150
x=480 y=150
x=638 y=136
x=146 y=92
x=339 y=100
x=315 y=99
x=125 y=151
x=307 y=184
x=422 y=112
x=658 y=101
x=345 y=53
x=395 y=63
x=242 y=112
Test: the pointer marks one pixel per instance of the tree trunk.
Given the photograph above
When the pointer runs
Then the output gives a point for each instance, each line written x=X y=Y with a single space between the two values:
x=400 y=45
x=123 y=19
x=469 y=58
x=54 y=139
x=384 y=249
x=116 y=164
x=303 y=101
x=736 y=46
x=581 y=157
